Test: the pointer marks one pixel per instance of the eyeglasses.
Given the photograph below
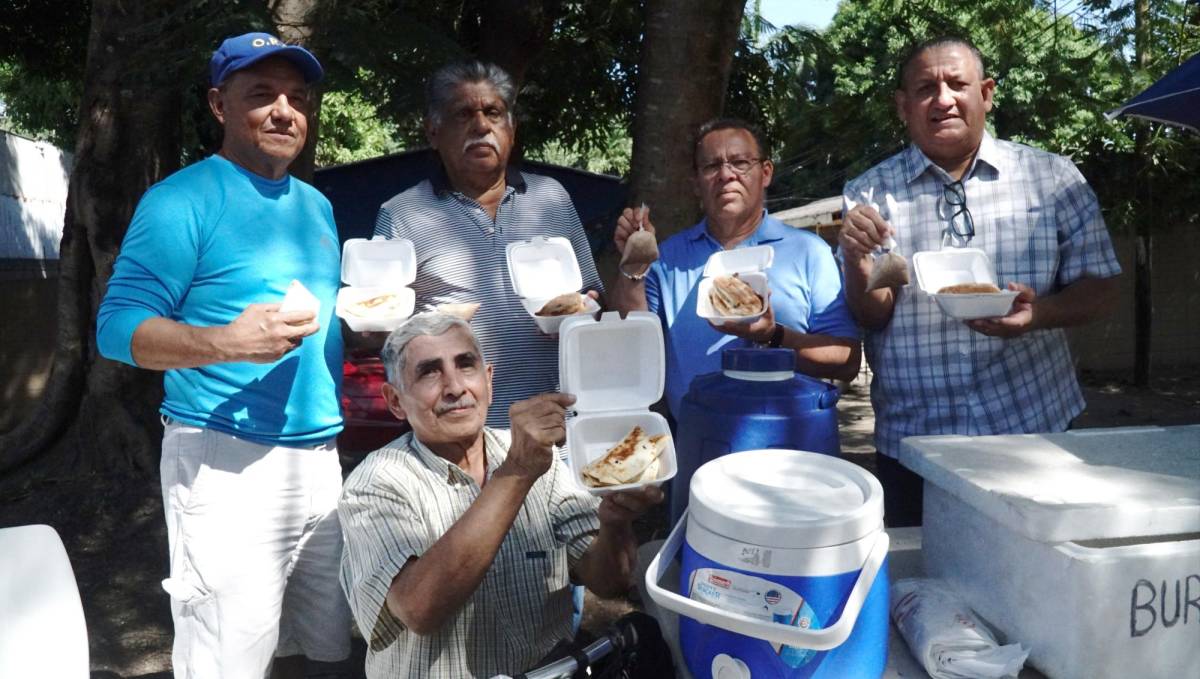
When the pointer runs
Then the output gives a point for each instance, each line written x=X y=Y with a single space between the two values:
x=956 y=197
x=738 y=165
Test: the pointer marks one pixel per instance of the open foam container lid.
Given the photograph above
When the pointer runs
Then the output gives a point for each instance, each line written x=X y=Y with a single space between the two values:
x=379 y=262
x=543 y=267
x=739 y=260
x=938 y=268
x=612 y=364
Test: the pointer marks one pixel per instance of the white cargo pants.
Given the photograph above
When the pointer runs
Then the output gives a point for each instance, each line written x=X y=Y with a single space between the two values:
x=255 y=549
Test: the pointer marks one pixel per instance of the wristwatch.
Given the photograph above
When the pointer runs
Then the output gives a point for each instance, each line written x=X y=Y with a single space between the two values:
x=776 y=336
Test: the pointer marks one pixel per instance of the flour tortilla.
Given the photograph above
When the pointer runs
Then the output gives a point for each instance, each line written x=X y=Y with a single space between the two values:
x=731 y=296
x=379 y=306
x=564 y=305
x=635 y=459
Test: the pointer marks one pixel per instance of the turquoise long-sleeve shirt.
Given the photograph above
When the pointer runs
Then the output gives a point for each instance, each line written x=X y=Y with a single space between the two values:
x=205 y=243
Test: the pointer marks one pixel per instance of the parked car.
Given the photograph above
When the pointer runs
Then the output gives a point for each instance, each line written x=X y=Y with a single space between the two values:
x=356 y=191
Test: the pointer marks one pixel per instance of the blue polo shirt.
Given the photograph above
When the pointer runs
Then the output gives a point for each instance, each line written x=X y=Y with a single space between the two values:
x=806 y=293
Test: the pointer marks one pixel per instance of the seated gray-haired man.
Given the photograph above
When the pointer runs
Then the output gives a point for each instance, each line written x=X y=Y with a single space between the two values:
x=462 y=540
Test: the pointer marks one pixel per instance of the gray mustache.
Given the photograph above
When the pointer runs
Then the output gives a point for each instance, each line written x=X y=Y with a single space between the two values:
x=460 y=403
x=489 y=139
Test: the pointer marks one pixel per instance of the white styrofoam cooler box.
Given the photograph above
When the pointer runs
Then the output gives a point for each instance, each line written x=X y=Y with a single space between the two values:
x=616 y=368
x=541 y=269
x=937 y=269
x=372 y=267
x=1084 y=546
x=750 y=264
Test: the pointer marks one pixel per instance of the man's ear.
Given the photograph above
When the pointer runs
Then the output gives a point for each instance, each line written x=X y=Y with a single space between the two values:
x=391 y=395
x=216 y=104
x=768 y=170
x=988 y=90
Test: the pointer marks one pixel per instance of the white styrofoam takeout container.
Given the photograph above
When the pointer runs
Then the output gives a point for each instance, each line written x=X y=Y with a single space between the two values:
x=951 y=266
x=1083 y=545
x=541 y=269
x=750 y=264
x=616 y=368
x=373 y=267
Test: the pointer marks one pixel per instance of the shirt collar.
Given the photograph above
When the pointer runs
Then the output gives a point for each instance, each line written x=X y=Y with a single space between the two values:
x=769 y=230
x=989 y=161
x=452 y=473
x=442 y=186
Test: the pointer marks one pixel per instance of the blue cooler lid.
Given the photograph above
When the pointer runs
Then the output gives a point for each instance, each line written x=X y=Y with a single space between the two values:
x=786 y=499
x=758 y=360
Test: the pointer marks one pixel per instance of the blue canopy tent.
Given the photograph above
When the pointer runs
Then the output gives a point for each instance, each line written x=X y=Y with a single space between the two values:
x=1174 y=99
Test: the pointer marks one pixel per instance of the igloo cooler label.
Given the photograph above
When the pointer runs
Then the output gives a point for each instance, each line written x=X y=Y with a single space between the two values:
x=757 y=598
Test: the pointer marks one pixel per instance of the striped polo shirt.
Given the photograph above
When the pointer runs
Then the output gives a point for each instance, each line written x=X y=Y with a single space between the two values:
x=399 y=501
x=461 y=258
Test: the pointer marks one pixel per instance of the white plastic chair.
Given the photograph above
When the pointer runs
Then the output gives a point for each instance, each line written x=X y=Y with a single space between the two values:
x=42 y=631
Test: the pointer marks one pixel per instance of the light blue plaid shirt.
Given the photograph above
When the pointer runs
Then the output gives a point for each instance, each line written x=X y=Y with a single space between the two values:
x=1040 y=224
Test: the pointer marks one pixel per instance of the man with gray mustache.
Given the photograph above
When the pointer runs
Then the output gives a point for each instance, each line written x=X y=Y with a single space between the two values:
x=462 y=217
x=462 y=540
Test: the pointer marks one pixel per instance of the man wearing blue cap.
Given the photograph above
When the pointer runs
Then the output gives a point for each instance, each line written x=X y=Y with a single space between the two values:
x=250 y=475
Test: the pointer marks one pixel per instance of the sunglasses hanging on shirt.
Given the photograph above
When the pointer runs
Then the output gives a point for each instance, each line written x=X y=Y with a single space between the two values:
x=962 y=226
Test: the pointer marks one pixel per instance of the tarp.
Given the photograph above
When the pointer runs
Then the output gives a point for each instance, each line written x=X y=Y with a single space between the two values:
x=1174 y=99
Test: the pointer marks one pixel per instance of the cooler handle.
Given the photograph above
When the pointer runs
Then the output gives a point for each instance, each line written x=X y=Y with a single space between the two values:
x=819 y=639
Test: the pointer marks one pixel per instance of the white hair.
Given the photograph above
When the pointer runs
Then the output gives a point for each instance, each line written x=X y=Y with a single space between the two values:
x=428 y=324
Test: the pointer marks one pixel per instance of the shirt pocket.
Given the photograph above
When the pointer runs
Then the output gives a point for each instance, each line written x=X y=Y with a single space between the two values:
x=1023 y=248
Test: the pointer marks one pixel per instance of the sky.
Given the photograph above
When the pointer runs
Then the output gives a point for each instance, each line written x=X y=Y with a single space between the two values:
x=812 y=13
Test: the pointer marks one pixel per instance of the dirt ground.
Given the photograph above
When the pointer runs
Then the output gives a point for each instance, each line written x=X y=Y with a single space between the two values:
x=113 y=529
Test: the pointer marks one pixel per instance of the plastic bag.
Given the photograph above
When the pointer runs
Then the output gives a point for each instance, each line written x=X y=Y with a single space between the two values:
x=890 y=269
x=949 y=640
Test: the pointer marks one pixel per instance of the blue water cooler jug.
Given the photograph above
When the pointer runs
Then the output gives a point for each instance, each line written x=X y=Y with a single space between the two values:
x=757 y=401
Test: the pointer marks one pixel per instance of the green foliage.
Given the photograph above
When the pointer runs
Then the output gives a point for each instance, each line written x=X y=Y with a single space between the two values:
x=611 y=156
x=828 y=101
x=579 y=93
x=825 y=98
x=38 y=106
x=577 y=89
x=351 y=130
x=43 y=46
x=43 y=53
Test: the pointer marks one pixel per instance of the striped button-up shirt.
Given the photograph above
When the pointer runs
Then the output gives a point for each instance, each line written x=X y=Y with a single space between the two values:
x=395 y=506
x=1040 y=224
x=461 y=258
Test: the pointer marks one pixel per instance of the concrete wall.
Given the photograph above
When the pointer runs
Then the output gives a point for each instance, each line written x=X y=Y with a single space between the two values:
x=1175 y=285
x=33 y=194
x=33 y=197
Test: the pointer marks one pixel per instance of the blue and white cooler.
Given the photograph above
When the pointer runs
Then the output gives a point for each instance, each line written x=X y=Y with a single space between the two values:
x=784 y=569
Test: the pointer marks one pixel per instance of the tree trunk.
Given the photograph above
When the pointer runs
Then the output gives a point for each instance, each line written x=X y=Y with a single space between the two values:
x=294 y=23
x=1143 y=299
x=512 y=33
x=101 y=414
x=686 y=56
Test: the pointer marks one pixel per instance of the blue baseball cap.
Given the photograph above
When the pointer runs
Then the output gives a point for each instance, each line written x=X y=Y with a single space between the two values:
x=246 y=50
